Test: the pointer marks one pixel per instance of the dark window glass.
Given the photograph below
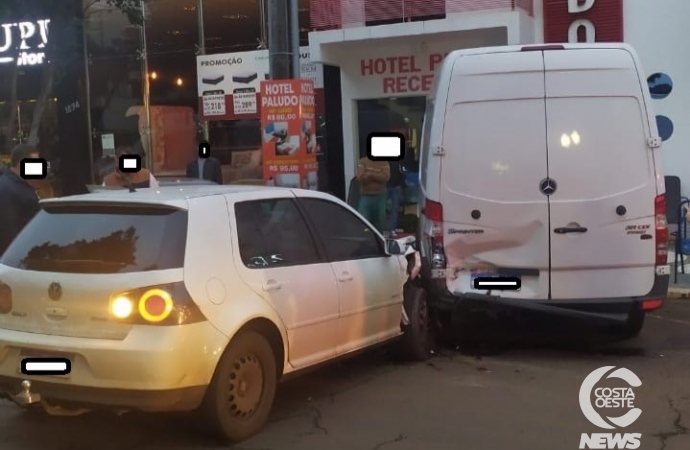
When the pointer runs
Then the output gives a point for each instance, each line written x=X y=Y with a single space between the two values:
x=344 y=235
x=273 y=233
x=98 y=239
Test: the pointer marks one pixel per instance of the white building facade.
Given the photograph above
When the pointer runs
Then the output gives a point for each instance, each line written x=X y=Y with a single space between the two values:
x=388 y=51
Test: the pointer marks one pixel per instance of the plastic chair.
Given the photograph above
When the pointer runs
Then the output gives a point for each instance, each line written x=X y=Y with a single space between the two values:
x=682 y=247
x=411 y=191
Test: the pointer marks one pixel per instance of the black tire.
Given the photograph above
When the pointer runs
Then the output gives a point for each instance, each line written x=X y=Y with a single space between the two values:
x=236 y=408
x=635 y=323
x=417 y=340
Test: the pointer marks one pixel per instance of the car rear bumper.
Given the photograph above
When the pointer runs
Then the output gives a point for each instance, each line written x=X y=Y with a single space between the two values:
x=153 y=369
x=66 y=396
x=469 y=312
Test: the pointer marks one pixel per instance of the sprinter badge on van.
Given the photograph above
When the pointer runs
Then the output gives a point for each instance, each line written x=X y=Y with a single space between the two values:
x=547 y=186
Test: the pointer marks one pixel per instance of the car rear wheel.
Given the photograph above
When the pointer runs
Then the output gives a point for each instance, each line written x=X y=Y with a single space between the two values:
x=240 y=396
x=417 y=335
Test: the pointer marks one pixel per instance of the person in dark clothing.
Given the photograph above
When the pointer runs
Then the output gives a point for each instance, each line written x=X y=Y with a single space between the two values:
x=18 y=198
x=206 y=167
x=395 y=193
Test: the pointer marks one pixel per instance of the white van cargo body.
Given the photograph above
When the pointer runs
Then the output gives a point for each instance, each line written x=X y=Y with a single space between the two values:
x=540 y=164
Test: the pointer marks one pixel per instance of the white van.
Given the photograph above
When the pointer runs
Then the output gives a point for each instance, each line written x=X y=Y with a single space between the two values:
x=541 y=163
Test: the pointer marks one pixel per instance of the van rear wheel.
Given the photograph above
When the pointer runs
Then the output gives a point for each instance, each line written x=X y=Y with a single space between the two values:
x=635 y=323
x=239 y=398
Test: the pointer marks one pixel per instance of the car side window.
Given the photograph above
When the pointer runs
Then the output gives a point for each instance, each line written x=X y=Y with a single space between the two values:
x=273 y=233
x=344 y=235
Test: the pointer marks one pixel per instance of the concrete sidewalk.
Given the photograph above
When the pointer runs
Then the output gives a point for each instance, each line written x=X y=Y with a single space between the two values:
x=682 y=288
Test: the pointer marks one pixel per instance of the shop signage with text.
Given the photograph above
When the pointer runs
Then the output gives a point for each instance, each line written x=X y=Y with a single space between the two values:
x=229 y=83
x=402 y=74
x=30 y=38
x=576 y=21
x=288 y=111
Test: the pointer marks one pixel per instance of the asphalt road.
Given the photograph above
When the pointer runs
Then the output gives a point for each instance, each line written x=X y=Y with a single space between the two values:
x=518 y=398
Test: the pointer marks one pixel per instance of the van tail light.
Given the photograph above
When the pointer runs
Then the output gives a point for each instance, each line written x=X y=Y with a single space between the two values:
x=5 y=298
x=651 y=305
x=661 y=230
x=433 y=233
x=169 y=304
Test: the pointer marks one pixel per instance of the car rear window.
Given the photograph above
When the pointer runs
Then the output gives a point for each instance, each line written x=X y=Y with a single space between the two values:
x=100 y=239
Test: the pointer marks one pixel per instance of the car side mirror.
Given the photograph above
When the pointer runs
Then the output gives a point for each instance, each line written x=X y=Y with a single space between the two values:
x=393 y=247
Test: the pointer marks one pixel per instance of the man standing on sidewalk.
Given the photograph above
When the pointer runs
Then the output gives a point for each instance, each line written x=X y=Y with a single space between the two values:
x=373 y=177
x=18 y=198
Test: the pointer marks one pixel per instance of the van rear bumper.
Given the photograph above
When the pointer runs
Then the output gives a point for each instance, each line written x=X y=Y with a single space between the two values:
x=460 y=313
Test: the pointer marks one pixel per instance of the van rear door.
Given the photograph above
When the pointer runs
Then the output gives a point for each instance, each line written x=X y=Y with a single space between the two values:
x=496 y=220
x=602 y=211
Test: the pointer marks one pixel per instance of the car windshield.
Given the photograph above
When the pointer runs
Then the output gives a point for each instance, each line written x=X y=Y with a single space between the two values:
x=100 y=239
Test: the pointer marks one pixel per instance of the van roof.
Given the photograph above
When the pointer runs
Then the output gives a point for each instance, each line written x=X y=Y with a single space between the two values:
x=554 y=46
x=164 y=195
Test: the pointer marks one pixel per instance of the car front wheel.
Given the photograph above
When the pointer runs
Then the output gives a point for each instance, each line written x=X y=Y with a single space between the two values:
x=417 y=334
x=239 y=398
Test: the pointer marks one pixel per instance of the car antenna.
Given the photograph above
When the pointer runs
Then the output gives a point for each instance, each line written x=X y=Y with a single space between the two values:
x=130 y=186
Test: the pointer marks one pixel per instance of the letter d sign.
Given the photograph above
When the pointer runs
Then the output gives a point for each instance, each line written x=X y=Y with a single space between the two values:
x=575 y=6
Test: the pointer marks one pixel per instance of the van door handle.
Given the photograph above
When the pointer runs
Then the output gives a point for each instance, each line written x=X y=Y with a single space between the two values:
x=566 y=230
x=272 y=285
x=345 y=276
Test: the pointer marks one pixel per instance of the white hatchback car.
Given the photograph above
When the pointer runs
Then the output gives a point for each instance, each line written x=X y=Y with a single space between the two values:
x=196 y=297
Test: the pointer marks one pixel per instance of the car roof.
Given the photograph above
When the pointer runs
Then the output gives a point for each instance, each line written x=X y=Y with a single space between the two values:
x=176 y=196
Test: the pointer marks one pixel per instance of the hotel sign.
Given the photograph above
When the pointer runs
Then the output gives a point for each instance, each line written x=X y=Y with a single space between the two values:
x=30 y=38
x=576 y=21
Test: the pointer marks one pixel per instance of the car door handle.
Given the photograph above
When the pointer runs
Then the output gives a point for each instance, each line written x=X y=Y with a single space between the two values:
x=345 y=276
x=566 y=230
x=272 y=285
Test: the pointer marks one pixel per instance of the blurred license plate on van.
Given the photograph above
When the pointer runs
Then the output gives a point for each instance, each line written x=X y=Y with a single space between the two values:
x=482 y=275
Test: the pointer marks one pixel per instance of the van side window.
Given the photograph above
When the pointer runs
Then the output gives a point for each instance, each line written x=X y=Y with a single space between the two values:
x=426 y=138
x=273 y=233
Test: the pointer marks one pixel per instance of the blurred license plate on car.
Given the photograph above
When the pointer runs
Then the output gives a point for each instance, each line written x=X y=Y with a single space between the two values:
x=45 y=363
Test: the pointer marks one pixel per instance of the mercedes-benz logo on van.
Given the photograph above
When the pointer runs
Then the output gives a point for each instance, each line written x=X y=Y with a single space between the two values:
x=55 y=291
x=547 y=186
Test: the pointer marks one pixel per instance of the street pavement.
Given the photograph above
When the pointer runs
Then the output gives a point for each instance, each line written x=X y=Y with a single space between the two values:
x=518 y=397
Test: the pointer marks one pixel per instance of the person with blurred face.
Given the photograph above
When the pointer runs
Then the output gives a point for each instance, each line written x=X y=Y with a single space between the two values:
x=18 y=197
x=142 y=179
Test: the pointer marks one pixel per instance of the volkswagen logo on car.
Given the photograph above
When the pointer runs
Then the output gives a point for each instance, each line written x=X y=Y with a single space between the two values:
x=55 y=291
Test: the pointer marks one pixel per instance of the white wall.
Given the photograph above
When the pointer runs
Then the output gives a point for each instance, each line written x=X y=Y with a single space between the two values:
x=355 y=86
x=660 y=33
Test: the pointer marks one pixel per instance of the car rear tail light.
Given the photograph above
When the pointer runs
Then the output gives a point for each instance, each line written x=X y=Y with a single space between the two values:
x=651 y=305
x=155 y=305
x=5 y=298
x=433 y=212
x=661 y=230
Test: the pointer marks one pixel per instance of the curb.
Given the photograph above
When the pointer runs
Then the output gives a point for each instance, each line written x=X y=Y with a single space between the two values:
x=678 y=293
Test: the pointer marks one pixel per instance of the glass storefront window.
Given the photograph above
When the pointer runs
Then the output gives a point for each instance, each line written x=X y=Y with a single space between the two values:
x=404 y=115
x=115 y=78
